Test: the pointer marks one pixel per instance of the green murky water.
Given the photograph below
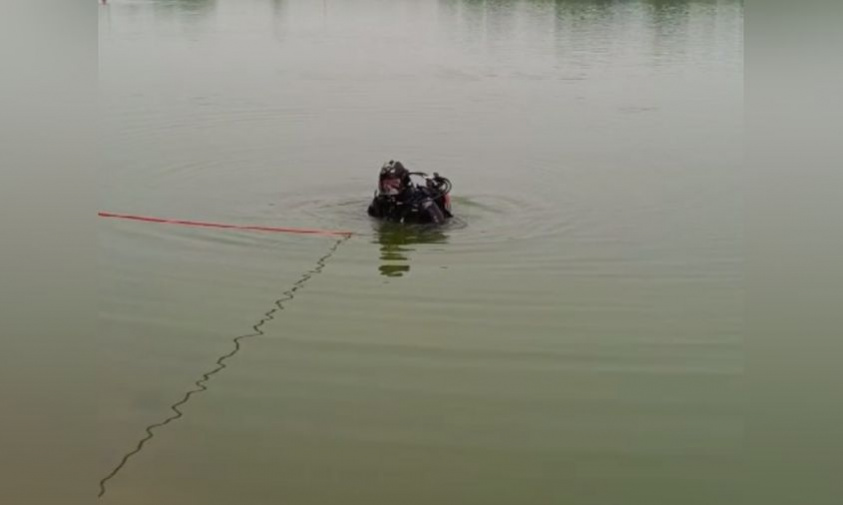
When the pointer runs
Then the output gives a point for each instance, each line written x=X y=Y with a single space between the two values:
x=574 y=336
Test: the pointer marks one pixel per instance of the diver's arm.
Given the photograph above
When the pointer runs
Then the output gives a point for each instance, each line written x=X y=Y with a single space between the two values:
x=443 y=205
x=432 y=211
x=376 y=208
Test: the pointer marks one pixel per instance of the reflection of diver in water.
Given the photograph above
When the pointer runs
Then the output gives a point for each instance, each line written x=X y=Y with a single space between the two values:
x=396 y=241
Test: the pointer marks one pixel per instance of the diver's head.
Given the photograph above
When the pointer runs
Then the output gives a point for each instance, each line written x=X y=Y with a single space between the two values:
x=393 y=178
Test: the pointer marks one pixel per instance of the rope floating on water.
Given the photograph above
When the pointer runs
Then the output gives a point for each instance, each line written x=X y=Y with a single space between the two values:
x=201 y=224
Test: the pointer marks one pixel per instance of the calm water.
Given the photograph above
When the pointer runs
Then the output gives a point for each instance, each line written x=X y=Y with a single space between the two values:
x=573 y=337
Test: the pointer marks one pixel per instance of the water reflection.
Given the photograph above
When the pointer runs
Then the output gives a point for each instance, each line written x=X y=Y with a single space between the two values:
x=585 y=33
x=279 y=19
x=397 y=241
x=196 y=7
x=279 y=9
x=669 y=24
x=138 y=17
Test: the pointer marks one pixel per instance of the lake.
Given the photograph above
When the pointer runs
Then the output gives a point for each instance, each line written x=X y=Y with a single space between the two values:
x=572 y=336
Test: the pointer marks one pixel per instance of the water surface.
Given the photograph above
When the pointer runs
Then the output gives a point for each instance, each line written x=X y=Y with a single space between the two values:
x=574 y=336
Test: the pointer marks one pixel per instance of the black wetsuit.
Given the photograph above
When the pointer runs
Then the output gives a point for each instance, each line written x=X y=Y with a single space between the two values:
x=414 y=204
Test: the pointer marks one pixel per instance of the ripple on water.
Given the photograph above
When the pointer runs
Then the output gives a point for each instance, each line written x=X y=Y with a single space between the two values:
x=481 y=219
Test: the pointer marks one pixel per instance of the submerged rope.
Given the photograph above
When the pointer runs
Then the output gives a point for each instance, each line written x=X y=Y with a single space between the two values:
x=202 y=384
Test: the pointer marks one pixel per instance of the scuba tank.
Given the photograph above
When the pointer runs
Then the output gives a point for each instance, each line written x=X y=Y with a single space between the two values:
x=439 y=188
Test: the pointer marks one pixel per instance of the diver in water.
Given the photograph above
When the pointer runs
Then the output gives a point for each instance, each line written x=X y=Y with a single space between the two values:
x=399 y=199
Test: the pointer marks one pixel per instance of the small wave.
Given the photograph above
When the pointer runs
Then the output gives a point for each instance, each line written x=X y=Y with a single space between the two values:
x=479 y=219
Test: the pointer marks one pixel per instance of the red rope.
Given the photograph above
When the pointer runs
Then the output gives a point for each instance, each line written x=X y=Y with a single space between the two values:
x=182 y=222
